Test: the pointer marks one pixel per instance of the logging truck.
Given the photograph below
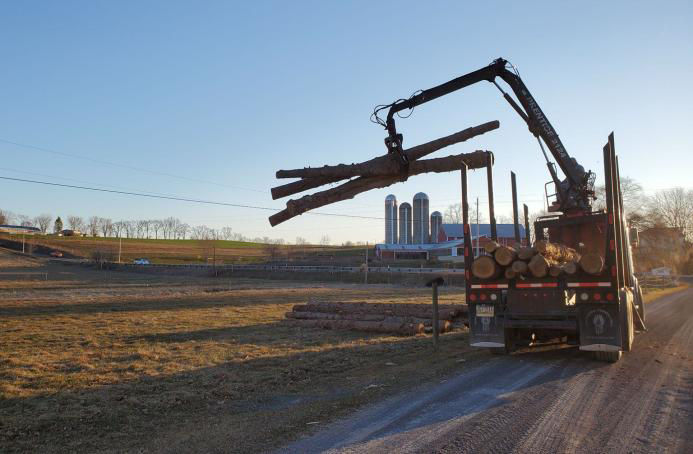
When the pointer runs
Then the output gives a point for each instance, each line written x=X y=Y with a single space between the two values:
x=576 y=283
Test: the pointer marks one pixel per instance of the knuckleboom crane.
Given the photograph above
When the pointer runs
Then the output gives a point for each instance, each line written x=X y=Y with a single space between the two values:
x=574 y=194
x=598 y=310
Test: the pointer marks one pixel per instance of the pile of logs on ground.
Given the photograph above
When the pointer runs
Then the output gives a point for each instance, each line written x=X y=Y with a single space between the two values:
x=394 y=318
x=541 y=260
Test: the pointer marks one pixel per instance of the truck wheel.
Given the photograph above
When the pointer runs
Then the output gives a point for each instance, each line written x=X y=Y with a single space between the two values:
x=509 y=337
x=609 y=357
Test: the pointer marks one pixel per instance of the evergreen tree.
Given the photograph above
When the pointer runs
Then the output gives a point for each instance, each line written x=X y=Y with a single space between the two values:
x=58 y=227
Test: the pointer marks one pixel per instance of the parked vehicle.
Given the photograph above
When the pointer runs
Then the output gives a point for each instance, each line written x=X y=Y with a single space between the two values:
x=141 y=261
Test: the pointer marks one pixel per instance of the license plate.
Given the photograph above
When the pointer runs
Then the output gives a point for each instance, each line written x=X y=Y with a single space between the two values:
x=484 y=310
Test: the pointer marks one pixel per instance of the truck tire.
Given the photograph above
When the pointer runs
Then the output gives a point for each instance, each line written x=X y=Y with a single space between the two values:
x=509 y=337
x=609 y=357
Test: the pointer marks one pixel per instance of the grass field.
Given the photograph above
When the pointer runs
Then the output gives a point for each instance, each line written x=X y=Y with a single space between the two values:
x=189 y=251
x=112 y=361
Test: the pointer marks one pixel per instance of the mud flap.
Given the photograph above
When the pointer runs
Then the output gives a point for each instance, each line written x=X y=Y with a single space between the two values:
x=600 y=327
x=486 y=325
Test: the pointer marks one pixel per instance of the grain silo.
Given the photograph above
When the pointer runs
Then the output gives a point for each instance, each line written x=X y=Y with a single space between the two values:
x=391 y=219
x=405 y=223
x=420 y=219
x=436 y=225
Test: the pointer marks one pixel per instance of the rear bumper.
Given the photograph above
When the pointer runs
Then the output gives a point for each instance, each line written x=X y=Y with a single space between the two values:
x=565 y=325
x=600 y=348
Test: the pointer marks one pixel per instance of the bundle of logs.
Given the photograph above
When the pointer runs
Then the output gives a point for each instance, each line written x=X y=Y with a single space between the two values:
x=394 y=318
x=541 y=260
x=375 y=173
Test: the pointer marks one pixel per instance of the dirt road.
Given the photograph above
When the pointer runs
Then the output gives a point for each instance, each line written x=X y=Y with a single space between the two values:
x=556 y=400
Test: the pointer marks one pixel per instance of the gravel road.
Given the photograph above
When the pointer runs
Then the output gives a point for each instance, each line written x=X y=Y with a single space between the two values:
x=555 y=400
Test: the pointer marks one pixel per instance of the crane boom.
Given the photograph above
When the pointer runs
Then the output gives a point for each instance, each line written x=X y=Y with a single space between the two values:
x=575 y=193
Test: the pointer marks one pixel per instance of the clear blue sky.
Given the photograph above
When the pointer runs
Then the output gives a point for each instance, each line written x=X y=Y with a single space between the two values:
x=229 y=92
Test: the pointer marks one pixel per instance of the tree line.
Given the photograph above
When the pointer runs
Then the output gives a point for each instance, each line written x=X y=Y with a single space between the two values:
x=671 y=208
x=170 y=228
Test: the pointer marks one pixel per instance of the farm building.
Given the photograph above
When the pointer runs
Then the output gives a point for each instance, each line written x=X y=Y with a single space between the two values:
x=19 y=229
x=449 y=243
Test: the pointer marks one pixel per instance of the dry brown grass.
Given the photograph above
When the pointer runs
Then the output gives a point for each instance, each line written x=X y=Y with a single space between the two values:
x=651 y=294
x=203 y=366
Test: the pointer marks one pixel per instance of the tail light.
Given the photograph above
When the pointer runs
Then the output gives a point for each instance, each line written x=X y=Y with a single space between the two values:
x=610 y=296
x=483 y=297
x=472 y=297
x=597 y=296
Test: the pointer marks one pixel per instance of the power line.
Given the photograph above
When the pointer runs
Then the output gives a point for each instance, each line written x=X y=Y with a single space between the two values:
x=125 y=166
x=179 y=199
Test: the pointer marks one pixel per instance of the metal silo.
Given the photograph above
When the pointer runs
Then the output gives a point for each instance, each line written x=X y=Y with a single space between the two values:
x=436 y=225
x=390 y=219
x=405 y=223
x=420 y=218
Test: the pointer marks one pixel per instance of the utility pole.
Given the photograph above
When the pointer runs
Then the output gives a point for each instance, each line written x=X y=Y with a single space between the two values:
x=365 y=276
x=22 y=243
x=120 y=247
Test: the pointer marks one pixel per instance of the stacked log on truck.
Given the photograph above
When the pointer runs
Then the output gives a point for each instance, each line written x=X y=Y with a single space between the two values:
x=401 y=319
x=540 y=260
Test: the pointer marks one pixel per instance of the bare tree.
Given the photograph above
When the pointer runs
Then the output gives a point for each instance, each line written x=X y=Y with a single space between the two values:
x=141 y=228
x=43 y=222
x=635 y=202
x=5 y=217
x=24 y=220
x=226 y=233
x=673 y=208
x=325 y=240
x=105 y=226
x=155 y=226
x=117 y=228
x=182 y=231
x=301 y=241
x=202 y=232
x=93 y=225
x=130 y=228
x=75 y=223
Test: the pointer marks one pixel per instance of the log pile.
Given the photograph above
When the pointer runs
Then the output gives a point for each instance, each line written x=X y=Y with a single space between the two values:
x=375 y=173
x=540 y=260
x=401 y=319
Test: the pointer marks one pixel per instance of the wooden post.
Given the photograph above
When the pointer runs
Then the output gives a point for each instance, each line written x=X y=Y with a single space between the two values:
x=433 y=283
x=365 y=277
x=435 y=315
x=491 y=208
x=120 y=247
x=524 y=206
x=516 y=221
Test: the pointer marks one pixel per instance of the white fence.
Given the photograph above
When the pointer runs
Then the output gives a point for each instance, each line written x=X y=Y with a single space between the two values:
x=308 y=269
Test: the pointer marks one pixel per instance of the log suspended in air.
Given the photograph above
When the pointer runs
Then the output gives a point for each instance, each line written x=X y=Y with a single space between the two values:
x=387 y=164
x=351 y=188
